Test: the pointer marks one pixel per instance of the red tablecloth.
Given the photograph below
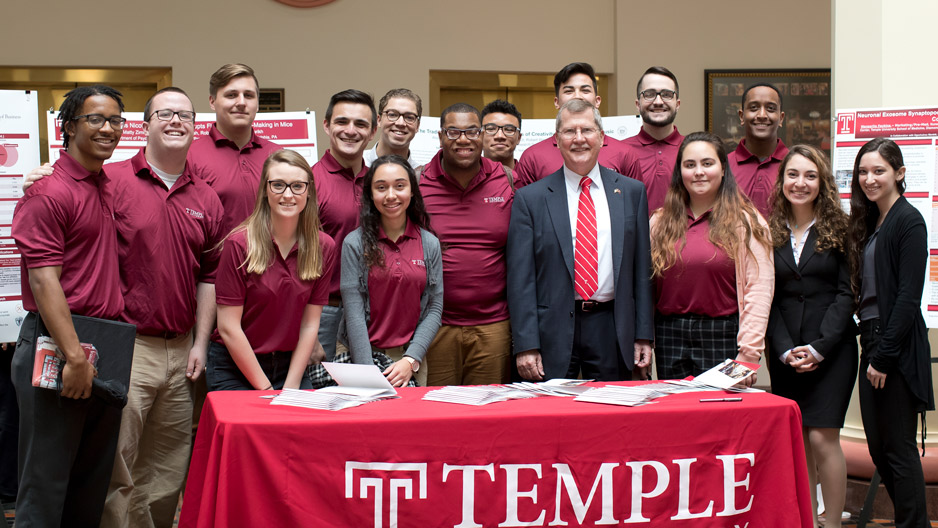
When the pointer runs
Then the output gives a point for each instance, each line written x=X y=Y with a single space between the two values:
x=542 y=462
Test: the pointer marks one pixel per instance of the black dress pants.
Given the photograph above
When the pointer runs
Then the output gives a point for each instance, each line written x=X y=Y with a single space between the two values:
x=66 y=448
x=890 y=417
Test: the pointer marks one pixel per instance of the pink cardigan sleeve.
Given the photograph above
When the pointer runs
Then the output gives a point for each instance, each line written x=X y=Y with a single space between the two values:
x=755 y=285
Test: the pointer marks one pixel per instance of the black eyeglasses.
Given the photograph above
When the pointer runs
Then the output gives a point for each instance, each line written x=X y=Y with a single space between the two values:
x=454 y=133
x=186 y=116
x=97 y=120
x=280 y=187
x=394 y=115
x=666 y=95
x=492 y=129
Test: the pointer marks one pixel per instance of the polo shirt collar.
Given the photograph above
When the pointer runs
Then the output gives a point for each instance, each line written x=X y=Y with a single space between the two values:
x=690 y=216
x=487 y=167
x=743 y=154
x=139 y=164
x=333 y=166
x=76 y=170
x=219 y=139
x=295 y=249
x=674 y=138
x=410 y=231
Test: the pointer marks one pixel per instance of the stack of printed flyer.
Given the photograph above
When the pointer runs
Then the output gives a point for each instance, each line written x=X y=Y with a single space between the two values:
x=722 y=377
x=628 y=395
x=554 y=387
x=357 y=384
x=476 y=395
x=725 y=376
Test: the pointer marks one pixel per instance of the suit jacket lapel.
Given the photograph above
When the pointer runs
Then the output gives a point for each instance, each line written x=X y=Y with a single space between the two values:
x=557 y=209
x=808 y=250
x=786 y=254
x=616 y=201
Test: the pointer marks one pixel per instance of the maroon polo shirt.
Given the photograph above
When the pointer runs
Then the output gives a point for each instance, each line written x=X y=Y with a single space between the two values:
x=273 y=301
x=233 y=173
x=394 y=290
x=165 y=243
x=657 y=159
x=756 y=179
x=703 y=280
x=472 y=225
x=339 y=193
x=66 y=220
x=543 y=158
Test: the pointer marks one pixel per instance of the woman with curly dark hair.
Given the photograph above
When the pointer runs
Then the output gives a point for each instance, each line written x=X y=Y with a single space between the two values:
x=888 y=256
x=392 y=274
x=811 y=334
x=712 y=265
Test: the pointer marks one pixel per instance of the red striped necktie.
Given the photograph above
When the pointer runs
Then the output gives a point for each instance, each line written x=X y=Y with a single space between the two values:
x=586 y=255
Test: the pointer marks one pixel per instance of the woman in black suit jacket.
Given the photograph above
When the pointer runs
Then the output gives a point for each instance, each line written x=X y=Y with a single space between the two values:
x=888 y=260
x=811 y=333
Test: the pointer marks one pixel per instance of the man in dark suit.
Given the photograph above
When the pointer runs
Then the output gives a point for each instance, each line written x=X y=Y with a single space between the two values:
x=579 y=265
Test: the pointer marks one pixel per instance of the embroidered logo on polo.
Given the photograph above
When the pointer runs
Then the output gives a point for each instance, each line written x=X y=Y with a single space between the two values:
x=494 y=199
x=418 y=262
x=194 y=213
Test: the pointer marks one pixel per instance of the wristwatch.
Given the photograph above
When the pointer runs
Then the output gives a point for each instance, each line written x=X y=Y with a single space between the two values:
x=414 y=364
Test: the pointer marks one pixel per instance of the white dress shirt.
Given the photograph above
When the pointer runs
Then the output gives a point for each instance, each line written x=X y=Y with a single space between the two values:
x=606 y=286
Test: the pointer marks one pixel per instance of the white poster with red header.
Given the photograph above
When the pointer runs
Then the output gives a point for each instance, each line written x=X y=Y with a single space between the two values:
x=915 y=130
x=292 y=130
x=19 y=152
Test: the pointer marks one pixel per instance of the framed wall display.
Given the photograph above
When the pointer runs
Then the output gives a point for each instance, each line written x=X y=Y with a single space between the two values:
x=806 y=102
x=271 y=100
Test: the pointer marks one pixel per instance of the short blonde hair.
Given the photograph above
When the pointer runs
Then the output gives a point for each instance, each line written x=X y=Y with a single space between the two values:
x=226 y=74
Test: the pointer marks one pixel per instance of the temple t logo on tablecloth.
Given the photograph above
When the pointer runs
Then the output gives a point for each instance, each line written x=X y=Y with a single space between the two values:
x=402 y=482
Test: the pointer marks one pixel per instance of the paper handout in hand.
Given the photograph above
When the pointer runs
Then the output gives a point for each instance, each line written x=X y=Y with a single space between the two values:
x=358 y=380
x=358 y=384
x=726 y=374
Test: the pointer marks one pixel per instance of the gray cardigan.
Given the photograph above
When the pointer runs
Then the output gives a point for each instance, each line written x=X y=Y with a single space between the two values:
x=355 y=299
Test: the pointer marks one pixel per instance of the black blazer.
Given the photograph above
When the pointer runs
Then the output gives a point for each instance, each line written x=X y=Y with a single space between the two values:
x=809 y=308
x=540 y=269
x=901 y=259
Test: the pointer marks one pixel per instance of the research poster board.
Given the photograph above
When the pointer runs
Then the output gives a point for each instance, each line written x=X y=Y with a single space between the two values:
x=19 y=152
x=427 y=141
x=915 y=130
x=292 y=130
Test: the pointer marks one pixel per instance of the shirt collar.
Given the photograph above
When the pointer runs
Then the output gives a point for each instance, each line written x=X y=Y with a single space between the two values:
x=142 y=169
x=744 y=154
x=410 y=231
x=76 y=170
x=333 y=166
x=221 y=139
x=573 y=179
x=674 y=138
x=690 y=216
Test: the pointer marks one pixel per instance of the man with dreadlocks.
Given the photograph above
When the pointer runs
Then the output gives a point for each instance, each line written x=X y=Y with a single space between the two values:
x=64 y=229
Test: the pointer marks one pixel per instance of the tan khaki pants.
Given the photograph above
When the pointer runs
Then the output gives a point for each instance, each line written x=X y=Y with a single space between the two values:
x=470 y=355
x=155 y=436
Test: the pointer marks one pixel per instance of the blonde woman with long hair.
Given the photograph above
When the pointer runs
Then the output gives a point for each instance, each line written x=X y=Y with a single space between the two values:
x=273 y=280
